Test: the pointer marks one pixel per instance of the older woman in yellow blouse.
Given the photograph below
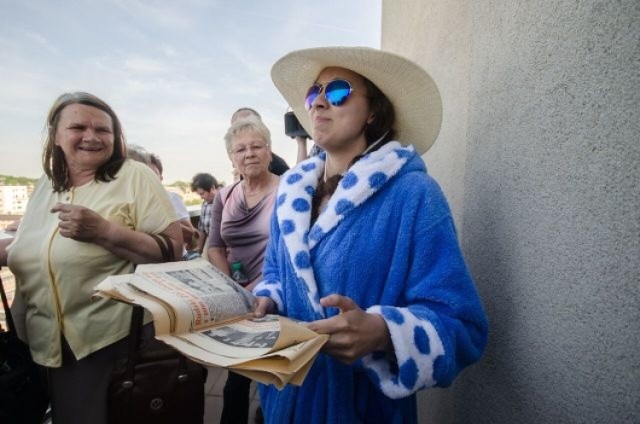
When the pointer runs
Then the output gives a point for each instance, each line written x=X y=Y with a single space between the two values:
x=90 y=216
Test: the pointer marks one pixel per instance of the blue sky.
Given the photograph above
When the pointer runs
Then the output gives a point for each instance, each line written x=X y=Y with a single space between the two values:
x=174 y=71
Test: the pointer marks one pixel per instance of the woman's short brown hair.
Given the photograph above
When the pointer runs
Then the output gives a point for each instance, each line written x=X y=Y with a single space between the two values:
x=53 y=159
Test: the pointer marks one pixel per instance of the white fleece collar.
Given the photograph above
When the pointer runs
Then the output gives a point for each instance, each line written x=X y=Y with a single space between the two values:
x=296 y=190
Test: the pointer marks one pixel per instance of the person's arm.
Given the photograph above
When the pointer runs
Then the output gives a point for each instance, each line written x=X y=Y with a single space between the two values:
x=202 y=234
x=19 y=314
x=85 y=225
x=183 y=214
x=438 y=327
x=302 y=149
x=187 y=231
x=217 y=250
x=218 y=258
x=13 y=226
x=200 y=239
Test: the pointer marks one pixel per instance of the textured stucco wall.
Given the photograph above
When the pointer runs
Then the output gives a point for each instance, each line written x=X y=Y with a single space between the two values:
x=539 y=156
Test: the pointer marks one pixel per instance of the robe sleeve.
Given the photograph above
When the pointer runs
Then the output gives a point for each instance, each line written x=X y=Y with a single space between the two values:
x=442 y=327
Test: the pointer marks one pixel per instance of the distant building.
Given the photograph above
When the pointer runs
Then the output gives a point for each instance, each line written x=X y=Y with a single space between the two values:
x=13 y=199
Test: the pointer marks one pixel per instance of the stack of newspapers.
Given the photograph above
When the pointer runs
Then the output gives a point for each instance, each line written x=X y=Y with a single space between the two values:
x=208 y=317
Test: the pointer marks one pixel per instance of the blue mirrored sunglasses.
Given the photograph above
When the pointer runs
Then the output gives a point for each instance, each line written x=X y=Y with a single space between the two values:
x=336 y=92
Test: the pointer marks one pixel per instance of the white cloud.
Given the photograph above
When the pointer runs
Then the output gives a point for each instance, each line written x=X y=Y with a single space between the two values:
x=246 y=58
x=144 y=65
x=169 y=51
x=41 y=41
x=169 y=15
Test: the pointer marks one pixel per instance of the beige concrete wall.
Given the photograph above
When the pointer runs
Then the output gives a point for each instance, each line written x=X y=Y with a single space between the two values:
x=539 y=156
x=447 y=57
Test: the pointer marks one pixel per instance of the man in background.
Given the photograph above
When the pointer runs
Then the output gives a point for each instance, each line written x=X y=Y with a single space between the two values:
x=206 y=186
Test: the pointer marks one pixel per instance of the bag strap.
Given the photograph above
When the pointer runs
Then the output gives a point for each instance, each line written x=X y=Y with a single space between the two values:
x=134 y=339
x=137 y=313
x=7 y=311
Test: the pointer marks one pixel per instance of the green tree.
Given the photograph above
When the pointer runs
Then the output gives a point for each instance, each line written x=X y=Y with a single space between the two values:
x=9 y=180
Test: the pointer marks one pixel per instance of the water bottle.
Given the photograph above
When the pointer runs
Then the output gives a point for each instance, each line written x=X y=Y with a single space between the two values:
x=238 y=274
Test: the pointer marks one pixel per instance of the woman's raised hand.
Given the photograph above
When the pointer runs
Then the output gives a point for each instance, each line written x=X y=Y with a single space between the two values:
x=80 y=223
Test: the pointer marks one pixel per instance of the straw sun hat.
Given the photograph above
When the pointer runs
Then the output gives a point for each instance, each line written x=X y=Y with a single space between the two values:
x=410 y=89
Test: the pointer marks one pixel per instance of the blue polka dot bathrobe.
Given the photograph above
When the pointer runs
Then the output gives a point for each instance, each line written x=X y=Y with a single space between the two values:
x=386 y=239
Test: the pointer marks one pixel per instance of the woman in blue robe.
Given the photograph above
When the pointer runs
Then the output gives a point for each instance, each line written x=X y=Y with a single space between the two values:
x=363 y=245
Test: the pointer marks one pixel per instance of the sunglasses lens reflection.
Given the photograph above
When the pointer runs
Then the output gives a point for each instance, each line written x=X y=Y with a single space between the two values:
x=337 y=92
x=311 y=95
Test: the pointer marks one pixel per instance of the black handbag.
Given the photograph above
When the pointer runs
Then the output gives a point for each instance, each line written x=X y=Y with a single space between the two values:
x=23 y=393
x=155 y=384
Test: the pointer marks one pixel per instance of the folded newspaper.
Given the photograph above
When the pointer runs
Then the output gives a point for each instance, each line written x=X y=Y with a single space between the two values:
x=200 y=311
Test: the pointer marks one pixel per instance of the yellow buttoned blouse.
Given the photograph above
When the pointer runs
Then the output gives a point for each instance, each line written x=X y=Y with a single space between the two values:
x=55 y=275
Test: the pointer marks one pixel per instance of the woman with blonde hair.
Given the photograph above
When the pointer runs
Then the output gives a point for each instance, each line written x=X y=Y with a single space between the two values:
x=239 y=230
